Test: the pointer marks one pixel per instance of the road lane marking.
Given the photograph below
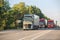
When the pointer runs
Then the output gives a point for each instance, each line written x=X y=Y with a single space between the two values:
x=41 y=35
x=17 y=33
x=28 y=36
x=33 y=35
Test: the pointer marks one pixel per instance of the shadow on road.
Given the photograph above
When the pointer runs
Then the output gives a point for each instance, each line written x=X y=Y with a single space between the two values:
x=58 y=28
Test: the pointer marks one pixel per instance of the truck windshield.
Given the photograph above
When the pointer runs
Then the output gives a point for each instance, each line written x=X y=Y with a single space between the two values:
x=41 y=22
x=28 y=19
x=50 y=22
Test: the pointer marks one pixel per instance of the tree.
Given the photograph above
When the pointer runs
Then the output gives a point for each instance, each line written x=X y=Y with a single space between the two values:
x=1 y=3
x=6 y=5
x=35 y=10
x=3 y=10
x=20 y=8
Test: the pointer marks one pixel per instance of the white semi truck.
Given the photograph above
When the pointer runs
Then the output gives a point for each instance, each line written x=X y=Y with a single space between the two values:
x=30 y=21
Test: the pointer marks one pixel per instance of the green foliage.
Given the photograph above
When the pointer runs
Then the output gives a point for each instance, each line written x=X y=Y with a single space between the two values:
x=9 y=16
x=3 y=15
x=1 y=3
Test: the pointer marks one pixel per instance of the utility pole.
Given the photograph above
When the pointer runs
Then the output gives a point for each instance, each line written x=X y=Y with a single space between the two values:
x=56 y=25
x=56 y=22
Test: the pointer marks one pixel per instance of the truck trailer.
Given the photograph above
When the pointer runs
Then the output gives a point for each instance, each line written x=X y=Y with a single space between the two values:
x=30 y=21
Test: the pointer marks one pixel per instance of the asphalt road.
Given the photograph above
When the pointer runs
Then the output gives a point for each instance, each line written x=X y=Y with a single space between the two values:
x=30 y=35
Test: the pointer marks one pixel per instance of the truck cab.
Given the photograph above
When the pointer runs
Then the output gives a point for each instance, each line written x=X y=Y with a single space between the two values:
x=42 y=23
x=50 y=23
x=27 y=22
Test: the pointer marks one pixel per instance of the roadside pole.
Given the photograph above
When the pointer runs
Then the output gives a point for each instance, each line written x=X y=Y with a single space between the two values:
x=56 y=25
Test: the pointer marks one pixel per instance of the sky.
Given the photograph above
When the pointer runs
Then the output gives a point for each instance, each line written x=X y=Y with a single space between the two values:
x=50 y=8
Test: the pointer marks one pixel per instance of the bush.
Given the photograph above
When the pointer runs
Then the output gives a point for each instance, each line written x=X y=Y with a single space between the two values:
x=1 y=28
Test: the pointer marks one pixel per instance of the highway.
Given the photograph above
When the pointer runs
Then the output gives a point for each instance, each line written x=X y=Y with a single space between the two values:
x=30 y=35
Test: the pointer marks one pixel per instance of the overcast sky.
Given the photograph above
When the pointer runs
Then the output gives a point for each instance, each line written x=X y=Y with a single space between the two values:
x=50 y=8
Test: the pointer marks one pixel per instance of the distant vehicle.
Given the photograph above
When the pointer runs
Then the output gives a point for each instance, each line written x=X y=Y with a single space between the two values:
x=30 y=21
x=50 y=23
x=42 y=23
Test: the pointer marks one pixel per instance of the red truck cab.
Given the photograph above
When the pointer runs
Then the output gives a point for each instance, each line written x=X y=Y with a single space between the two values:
x=50 y=23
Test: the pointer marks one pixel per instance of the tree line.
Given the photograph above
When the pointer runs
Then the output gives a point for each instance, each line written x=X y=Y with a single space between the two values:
x=9 y=15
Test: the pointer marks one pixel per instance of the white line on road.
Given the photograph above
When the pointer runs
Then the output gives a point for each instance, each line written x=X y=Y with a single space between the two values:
x=17 y=33
x=40 y=34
